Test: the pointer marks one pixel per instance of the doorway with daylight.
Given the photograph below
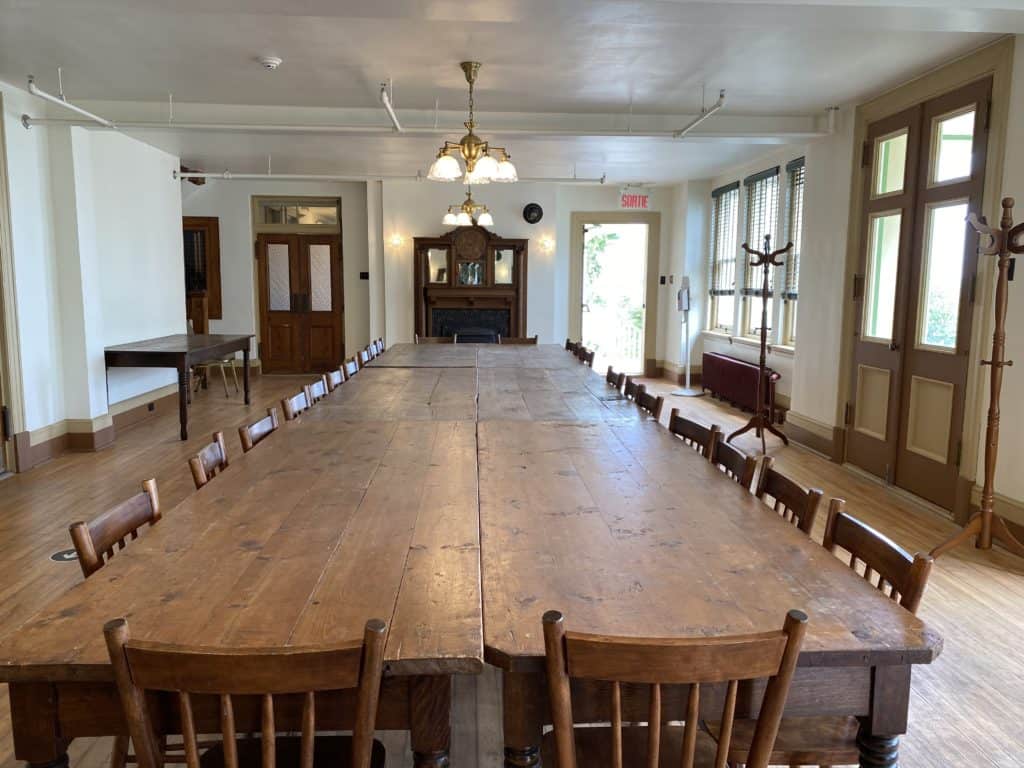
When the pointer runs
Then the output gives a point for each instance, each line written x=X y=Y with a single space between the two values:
x=614 y=293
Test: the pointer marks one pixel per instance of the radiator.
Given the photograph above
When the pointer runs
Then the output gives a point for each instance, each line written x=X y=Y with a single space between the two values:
x=735 y=381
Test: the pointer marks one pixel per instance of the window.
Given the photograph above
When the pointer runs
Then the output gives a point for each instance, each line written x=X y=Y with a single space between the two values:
x=762 y=219
x=890 y=163
x=794 y=231
x=722 y=266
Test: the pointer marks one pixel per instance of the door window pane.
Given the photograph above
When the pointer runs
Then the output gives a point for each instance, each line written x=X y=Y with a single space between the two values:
x=952 y=142
x=279 y=277
x=318 y=214
x=437 y=259
x=504 y=260
x=320 y=277
x=890 y=163
x=880 y=287
x=942 y=274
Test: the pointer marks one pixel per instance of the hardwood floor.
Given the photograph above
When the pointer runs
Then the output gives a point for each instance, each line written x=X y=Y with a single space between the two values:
x=966 y=707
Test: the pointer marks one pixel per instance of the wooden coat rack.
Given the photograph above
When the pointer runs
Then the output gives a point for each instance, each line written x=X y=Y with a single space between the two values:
x=761 y=421
x=985 y=525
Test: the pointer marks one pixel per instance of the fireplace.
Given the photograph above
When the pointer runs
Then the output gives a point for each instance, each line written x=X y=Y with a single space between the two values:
x=470 y=282
x=471 y=322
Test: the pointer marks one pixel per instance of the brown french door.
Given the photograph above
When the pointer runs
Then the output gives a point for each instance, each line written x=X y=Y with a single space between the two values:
x=924 y=172
x=301 y=304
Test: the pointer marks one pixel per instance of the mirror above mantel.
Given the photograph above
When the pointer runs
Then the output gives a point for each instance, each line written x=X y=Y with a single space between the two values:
x=470 y=278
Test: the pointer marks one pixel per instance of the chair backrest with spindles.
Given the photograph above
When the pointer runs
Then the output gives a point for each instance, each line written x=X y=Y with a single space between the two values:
x=350 y=367
x=581 y=352
x=790 y=500
x=631 y=661
x=296 y=404
x=335 y=379
x=900 y=575
x=697 y=436
x=734 y=462
x=648 y=402
x=251 y=434
x=95 y=541
x=615 y=379
x=211 y=460
x=587 y=358
x=317 y=391
x=188 y=674
x=630 y=388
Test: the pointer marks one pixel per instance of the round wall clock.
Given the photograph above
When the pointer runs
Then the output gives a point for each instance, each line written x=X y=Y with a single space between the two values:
x=533 y=213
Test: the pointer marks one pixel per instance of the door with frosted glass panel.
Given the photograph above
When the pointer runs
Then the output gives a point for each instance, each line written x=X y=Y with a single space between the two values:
x=301 y=313
x=943 y=265
x=880 y=288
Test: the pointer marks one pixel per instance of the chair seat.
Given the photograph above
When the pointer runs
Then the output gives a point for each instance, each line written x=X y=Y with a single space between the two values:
x=594 y=748
x=332 y=751
x=801 y=741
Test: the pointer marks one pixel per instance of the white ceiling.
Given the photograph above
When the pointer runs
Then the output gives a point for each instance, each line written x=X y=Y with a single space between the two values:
x=583 y=59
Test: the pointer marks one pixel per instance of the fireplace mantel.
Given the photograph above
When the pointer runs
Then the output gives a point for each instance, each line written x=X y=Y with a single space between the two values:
x=470 y=268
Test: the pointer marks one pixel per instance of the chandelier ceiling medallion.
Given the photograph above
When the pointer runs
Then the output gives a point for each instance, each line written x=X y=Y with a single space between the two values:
x=467 y=214
x=484 y=163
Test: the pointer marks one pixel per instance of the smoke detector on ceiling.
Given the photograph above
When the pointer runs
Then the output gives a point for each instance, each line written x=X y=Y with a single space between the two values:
x=270 y=62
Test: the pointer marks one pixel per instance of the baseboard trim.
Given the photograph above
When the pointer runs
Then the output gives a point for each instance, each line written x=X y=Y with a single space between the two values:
x=670 y=370
x=816 y=435
x=1011 y=510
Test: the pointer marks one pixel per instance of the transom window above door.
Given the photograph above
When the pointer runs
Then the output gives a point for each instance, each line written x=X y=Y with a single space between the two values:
x=952 y=145
x=890 y=164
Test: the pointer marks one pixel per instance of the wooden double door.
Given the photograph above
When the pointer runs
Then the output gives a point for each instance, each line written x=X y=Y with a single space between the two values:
x=924 y=172
x=302 y=327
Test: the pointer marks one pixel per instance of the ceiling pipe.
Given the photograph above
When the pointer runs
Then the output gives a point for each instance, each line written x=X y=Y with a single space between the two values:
x=385 y=99
x=60 y=101
x=704 y=115
x=229 y=176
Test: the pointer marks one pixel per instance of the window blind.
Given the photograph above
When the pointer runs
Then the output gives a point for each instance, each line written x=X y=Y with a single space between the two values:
x=795 y=225
x=723 y=241
x=762 y=215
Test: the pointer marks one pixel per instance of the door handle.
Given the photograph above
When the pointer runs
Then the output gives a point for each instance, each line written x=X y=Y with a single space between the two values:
x=585 y=307
x=893 y=346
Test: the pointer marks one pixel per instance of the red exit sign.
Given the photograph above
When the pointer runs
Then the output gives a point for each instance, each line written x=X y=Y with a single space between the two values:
x=634 y=200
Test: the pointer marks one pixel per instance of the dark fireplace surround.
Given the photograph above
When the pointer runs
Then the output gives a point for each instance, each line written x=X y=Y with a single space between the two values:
x=447 y=321
x=480 y=311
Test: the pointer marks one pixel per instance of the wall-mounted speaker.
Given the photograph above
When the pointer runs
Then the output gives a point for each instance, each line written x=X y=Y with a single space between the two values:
x=533 y=213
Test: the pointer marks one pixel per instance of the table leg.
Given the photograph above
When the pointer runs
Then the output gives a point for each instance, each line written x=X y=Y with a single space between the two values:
x=430 y=704
x=245 y=372
x=523 y=721
x=878 y=737
x=35 y=727
x=878 y=751
x=183 y=396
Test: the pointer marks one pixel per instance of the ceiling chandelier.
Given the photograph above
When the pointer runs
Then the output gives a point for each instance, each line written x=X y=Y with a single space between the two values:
x=467 y=214
x=484 y=163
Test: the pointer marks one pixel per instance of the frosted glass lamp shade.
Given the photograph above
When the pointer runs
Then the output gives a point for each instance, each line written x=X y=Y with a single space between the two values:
x=450 y=220
x=445 y=168
x=506 y=172
x=483 y=172
x=463 y=219
x=485 y=219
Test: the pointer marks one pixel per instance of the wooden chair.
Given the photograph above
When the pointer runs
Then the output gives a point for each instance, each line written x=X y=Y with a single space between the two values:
x=432 y=339
x=571 y=346
x=588 y=358
x=295 y=405
x=581 y=352
x=648 y=402
x=250 y=435
x=238 y=676
x=335 y=378
x=702 y=439
x=615 y=379
x=630 y=388
x=518 y=339
x=654 y=662
x=317 y=391
x=95 y=541
x=350 y=368
x=211 y=460
x=792 y=502
x=734 y=462
x=827 y=741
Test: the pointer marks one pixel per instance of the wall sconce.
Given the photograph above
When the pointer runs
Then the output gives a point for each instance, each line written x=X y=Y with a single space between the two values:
x=547 y=244
x=396 y=240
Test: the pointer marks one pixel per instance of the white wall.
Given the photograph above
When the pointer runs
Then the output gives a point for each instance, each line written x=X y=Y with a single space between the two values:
x=231 y=202
x=141 y=278
x=1009 y=479
x=35 y=263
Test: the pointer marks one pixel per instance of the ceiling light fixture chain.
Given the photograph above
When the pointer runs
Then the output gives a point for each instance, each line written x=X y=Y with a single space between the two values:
x=483 y=162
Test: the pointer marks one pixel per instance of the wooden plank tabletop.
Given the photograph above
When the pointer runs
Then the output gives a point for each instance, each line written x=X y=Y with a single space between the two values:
x=178 y=343
x=298 y=542
x=625 y=530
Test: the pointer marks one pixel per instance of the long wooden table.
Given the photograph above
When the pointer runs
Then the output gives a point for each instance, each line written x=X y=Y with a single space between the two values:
x=181 y=352
x=459 y=501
